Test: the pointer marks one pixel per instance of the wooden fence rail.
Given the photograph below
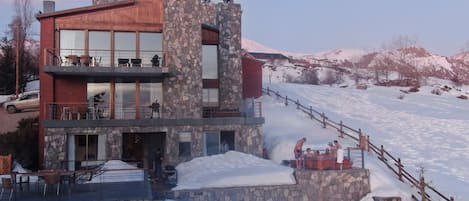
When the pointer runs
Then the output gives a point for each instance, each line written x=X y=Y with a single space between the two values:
x=393 y=163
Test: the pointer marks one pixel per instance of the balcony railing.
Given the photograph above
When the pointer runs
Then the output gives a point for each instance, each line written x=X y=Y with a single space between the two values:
x=104 y=111
x=104 y=58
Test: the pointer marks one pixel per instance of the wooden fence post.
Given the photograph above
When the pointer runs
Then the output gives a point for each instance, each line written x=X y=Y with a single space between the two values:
x=422 y=188
x=297 y=104
x=399 y=165
x=359 y=133
x=311 y=112
x=368 y=141
x=286 y=100
x=277 y=94
x=323 y=120
x=341 y=129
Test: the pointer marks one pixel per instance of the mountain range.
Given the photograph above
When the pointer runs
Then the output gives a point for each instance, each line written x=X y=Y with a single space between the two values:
x=408 y=62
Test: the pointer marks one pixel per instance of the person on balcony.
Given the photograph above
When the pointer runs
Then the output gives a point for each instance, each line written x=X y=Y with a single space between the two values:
x=155 y=107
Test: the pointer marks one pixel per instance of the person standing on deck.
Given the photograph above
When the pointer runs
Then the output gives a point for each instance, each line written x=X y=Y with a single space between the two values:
x=298 y=152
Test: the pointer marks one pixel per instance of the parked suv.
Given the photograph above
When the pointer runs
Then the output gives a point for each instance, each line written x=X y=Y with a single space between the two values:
x=27 y=100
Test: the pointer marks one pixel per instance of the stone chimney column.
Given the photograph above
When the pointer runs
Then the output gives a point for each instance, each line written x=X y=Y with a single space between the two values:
x=98 y=2
x=48 y=6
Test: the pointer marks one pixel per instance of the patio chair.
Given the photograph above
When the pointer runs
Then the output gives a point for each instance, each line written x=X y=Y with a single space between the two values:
x=73 y=59
x=85 y=60
x=123 y=62
x=136 y=62
x=7 y=184
x=52 y=178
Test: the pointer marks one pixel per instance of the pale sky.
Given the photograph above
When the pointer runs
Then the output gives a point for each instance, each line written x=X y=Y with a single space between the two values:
x=310 y=26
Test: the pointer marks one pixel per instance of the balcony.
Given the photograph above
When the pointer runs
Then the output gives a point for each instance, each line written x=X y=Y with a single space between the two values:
x=106 y=63
x=63 y=115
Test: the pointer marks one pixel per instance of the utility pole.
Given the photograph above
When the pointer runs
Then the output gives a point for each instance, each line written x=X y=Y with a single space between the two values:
x=17 y=59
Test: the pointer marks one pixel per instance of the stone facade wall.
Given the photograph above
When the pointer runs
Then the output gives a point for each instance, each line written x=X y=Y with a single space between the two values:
x=182 y=40
x=226 y=17
x=344 y=185
x=248 y=139
x=230 y=69
x=97 y=2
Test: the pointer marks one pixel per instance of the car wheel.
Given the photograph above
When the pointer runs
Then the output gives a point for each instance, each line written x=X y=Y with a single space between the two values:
x=11 y=109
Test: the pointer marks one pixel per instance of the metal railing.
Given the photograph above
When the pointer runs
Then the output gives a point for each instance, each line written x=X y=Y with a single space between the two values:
x=97 y=184
x=104 y=111
x=104 y=58
x=393 y=163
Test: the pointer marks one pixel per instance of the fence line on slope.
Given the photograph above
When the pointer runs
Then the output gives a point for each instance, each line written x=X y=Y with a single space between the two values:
x=363 y=141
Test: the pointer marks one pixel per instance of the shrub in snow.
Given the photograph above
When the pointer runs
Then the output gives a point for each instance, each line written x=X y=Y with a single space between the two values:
x=446 y=88
x=310 y=76
x=414 y=89
x=436 y=91
x=362 y=86
x=462 y=97
x=401 y=96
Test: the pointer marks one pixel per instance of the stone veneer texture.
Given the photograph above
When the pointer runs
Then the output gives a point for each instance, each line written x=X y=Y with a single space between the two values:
x=183 y=41
x=345 y=185
x=248 y=139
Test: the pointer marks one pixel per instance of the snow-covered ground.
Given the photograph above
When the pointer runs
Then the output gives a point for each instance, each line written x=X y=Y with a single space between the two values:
x=117 y=171
x=425 y=130
x=231 y=169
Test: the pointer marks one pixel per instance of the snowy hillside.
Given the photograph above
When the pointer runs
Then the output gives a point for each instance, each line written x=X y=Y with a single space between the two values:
x=338 y=55
x=414 y=63
x=424 y=130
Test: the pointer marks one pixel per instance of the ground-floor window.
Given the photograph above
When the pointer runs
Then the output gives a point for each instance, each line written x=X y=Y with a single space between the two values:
x=217 y=142
x=185 y=144
x=139 y=149
x=86 y=151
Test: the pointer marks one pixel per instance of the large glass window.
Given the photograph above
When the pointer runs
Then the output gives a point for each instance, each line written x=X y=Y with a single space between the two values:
x=98 y=97
x=72 y=45
x=125 y=103
x=218 y=142
x=125 y=46
x=210 y=97
x=99 y=48
x=185 y=144
x=212 y=143
x=209 y=62
x=149 y=92
x=151 y=44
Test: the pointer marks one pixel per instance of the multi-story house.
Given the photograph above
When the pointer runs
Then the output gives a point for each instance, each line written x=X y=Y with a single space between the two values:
x=105 y=64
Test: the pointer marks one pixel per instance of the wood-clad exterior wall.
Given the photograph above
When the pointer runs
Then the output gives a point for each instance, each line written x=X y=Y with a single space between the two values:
x=210 y=37
x=252 y=77
x=128 y=15
x=143 y=15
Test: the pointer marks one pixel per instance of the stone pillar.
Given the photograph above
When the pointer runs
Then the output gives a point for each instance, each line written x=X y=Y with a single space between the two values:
x=182 y=40
x=98 y=2
x=48 y=6
x=230 y=68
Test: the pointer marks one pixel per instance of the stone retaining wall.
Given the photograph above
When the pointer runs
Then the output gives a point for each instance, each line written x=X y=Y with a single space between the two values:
x=343 y=185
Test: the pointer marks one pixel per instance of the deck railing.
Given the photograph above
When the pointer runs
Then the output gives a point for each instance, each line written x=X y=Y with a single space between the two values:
x=104 y=58
x=363 y=141
x=104 y=111
x=96 y=184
